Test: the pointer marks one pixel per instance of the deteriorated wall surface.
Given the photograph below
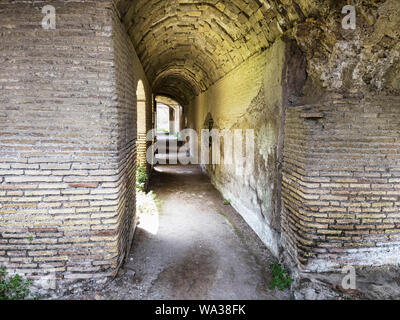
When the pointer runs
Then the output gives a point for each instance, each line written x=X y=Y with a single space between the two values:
x=341 y=183
x=250 y=97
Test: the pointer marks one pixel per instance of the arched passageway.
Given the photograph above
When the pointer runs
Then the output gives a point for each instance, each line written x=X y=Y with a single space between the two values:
x=169 y=127
x=277 y=68
x=316 y=100
x=170 y=116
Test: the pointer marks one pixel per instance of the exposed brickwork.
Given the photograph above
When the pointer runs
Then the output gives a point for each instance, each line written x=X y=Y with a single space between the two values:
x=127 y=115
x=68 y=136
x=75 y=107
x=134 y=113
x=186 y=46
x=341 y=183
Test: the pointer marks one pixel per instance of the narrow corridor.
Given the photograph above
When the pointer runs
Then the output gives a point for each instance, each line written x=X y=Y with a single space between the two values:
x=202 y=249
x=292 y=106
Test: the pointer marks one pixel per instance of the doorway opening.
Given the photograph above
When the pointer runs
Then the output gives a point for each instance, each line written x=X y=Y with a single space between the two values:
x=141 y=143
x=169 y=123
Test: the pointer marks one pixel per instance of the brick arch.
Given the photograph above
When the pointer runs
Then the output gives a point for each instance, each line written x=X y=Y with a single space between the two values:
x=141 y=143
x=177 y=83
x=191 y=45
x=140 y=91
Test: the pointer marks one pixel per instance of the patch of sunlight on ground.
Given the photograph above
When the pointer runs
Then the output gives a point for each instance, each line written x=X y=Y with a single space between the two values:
x=147 y=207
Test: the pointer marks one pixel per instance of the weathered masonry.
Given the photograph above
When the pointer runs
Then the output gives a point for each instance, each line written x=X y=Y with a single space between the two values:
x=68 y=138
x=76 y=103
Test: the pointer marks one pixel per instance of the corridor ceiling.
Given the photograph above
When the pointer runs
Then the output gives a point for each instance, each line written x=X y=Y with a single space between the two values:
x=187 y=45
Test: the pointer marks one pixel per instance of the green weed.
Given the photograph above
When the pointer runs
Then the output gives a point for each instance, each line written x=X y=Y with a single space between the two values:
x=14 y=288
x=281 y=278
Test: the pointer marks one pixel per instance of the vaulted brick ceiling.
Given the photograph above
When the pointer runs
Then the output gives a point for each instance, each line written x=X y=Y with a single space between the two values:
x=187 y=45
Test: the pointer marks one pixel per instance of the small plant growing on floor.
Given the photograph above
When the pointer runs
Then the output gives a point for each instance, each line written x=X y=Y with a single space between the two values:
x=141 y=178
x=227 y=202
x=162 y=130
x=14 y=288
x=157 y=201
x=280 y=277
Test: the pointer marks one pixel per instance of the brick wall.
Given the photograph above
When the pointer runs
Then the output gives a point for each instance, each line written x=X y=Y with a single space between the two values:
x=341 y=183
x=68 y=136
x=134 y=114
x=127 y=134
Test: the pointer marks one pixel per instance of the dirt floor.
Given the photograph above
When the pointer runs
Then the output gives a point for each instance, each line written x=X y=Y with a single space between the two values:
x=189 y=245
x=195 y=247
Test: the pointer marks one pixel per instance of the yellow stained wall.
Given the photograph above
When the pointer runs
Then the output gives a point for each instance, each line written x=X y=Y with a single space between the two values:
x=249 y=97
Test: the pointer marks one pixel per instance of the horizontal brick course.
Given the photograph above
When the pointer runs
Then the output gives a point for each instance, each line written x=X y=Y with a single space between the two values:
x=68 y=137
x=359 y=155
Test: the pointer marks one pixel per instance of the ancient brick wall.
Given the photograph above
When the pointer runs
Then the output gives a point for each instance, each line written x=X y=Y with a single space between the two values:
x=127 y=133
x=341 y=183
x=67 y=142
